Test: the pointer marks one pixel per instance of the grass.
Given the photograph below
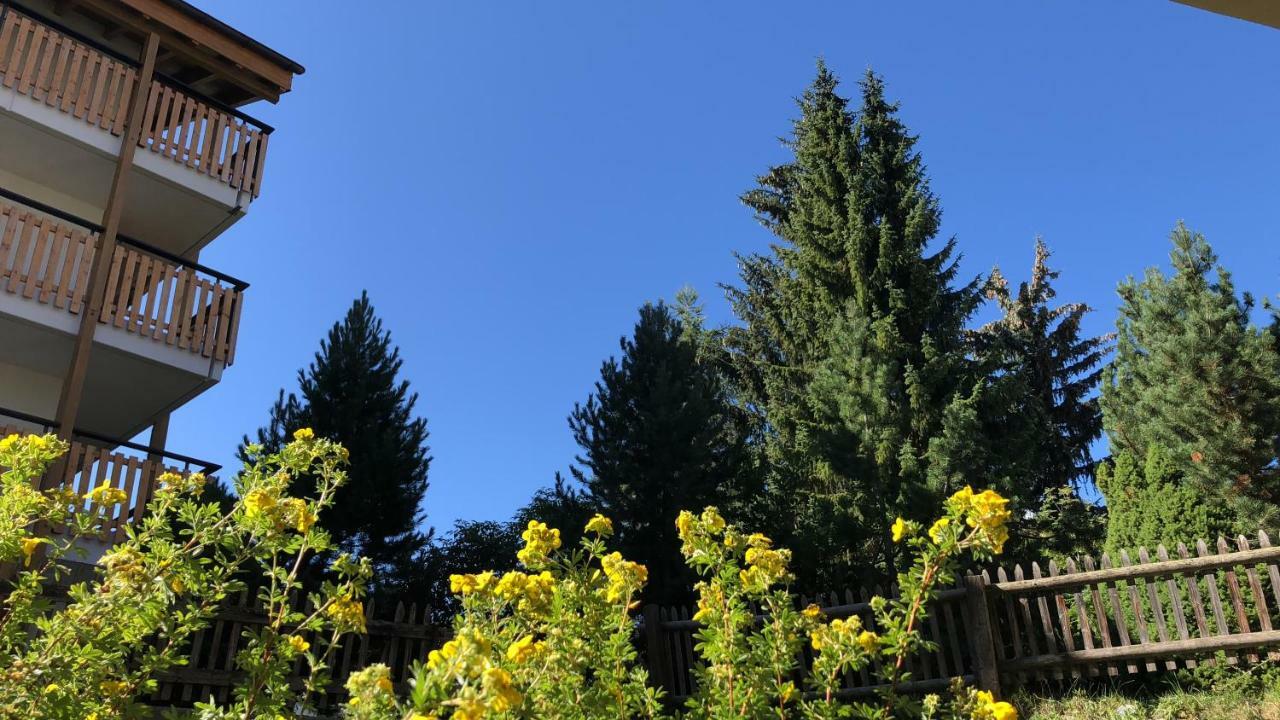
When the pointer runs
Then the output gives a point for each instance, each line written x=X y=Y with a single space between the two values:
x=1220 y=692
x=1174 y=705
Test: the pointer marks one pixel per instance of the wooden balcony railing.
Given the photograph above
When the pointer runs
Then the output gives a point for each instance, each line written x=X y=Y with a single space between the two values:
x=93 y=460
x=68 y=71
x=45 y=257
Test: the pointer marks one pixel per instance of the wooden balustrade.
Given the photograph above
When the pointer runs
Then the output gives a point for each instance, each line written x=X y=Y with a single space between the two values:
x=204 y=138
x=46 y=260
x=88 y=465
x=62 y=72
x=90 y=84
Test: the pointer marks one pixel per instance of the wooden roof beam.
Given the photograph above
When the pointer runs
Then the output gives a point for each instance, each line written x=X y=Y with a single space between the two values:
x=202 y=48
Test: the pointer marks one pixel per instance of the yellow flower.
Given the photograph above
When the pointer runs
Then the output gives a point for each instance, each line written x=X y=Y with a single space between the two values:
x=29 y=545
x=812 y=612
x=624 y=576
x=899 y=529
x=684 y=524
x=347 y=612
x=298 y=514
x=258 y=502
x=711 y=518
x=935 y=532
x=815 y=640
x=1002 y=711
x=384 y=684
x=51 y=688
x=305 y=433
x=869 y=641
x=114 y=687
x=759 y=540
x=298 y=644
x=504 y=697
x=600 y=525
x=177 y=586
x=961 y=499
x=104 y=494
x=524 y=649
x=539 y=542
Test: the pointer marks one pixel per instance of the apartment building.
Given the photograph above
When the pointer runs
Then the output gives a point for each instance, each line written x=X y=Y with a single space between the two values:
x=124 y=152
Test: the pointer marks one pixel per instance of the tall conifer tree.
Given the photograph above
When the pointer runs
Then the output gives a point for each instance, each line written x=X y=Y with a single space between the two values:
x=853 y=352
x=351 y=393
x=658 y=436
x=1041 y=413
x=1193 y=391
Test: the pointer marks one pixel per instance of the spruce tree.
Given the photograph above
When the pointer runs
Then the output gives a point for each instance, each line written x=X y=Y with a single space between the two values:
x=658 y=436
x=351 y=393
x=1042 y=412
x=1196 y=386
x=853 y=351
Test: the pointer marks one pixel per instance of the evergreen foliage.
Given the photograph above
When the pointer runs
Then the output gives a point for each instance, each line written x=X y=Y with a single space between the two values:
x=1150 y=502
x=853 y=353
x=1196 y=384
x=1042 y=411
x=658 y=435
x=351 y=393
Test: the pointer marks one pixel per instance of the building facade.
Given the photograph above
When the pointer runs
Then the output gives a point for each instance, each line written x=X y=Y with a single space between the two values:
x=124 y=152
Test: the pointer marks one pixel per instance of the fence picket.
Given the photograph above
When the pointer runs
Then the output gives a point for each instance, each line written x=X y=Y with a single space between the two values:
x=1157 y=610
x=1139 y=613
x=1122 y=625
x=1175 y=601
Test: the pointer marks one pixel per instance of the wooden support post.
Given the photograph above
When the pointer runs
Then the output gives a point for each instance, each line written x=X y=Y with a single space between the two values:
x=155 y=461
x=659 y=660
x=981 y=634
x=73 y=383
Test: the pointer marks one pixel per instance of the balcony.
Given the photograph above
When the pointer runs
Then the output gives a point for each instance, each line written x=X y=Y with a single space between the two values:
x=94 y=460
x=64 y=97
x=166 y=332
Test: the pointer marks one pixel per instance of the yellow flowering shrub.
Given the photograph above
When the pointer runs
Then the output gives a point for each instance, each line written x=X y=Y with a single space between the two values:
x=557 y=641
x=554 y=639
x=98 y=652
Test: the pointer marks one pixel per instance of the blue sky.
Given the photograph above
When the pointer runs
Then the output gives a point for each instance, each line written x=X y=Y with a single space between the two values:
x=510 y=181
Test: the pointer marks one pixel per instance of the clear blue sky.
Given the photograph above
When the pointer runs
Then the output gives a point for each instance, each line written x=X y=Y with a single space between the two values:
x=510 y=181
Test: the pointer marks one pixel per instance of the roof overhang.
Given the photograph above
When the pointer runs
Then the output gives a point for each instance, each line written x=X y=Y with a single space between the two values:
x=199 y=47
x=1263 y=12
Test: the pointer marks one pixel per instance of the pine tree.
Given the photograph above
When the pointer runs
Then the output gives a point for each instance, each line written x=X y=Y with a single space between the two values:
x=1042 y=412
x=1195 y=385
x=657 y=436
x=351 y=393
x=853 y=351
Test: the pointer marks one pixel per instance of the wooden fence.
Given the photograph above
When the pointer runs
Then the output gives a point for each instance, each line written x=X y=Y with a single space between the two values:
x=47 y=260
x=396 y=638
x=53 y=65
x=1084 y=619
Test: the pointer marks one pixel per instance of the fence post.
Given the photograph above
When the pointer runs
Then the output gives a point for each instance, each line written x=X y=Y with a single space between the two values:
x=658 y=660
x=981 y=637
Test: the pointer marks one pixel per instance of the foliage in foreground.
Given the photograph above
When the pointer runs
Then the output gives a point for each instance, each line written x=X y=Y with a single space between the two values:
x=554 y=639
x=100 y=654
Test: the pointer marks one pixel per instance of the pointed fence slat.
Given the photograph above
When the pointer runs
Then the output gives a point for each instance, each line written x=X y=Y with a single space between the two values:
x=1175 y=602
